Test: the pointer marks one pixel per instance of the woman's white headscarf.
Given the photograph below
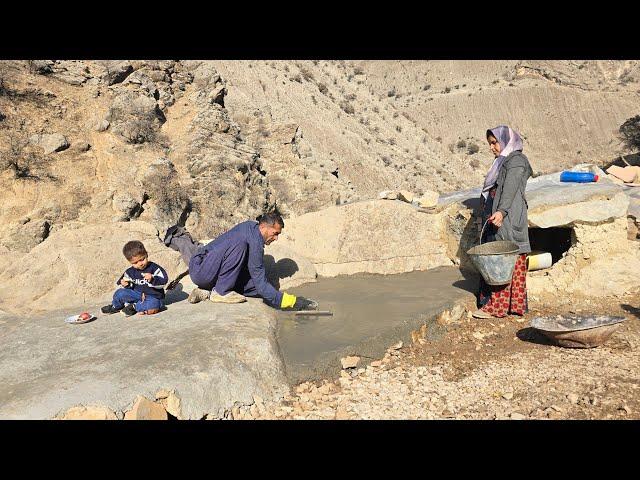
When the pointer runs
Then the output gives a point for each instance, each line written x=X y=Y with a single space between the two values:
x=510 y=141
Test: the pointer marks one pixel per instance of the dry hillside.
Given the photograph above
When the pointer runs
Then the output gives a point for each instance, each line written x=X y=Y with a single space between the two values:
x=216 y=142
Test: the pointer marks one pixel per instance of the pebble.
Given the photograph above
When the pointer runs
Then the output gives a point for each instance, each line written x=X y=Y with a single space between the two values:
x=507 y=396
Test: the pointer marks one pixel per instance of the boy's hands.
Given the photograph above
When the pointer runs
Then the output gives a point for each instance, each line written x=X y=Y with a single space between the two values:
x=147 y=276
x=124 y=283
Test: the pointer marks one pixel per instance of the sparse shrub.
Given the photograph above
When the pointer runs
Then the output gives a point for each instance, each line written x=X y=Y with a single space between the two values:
x=391 y=93
x=398 y=128
x=474 y=163
x=16 y=155
x=426 y=87
x=313 y=98
x=630 y=132
x=323 y=88
x=461 y=144
x=446 y=90
x=392 y=141
x=296 y=78
x=358 y=71
x=386 y=160
x=136 y=121
x=625 y=78
x=473 y=148
x=351 y=97
x=347 y=107
x=3 y=77
x=306 y=74
x=376 y=109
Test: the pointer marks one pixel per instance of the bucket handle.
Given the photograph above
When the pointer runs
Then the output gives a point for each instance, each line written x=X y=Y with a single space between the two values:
x=482 y=231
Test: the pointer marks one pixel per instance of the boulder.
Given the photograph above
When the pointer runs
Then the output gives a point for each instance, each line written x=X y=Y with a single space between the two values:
x=145 y=409
x=42 y=67
x=88 y=413
x=628 y=174
x=287 y=269
x=428 y=199
x=116 y=72
x=81 y=147
x=553 y=203
x=388 y=195
x=101 y=125
x=349 y=362
x=78 y=265
x=73 y=72
x=406 y=196
x=216 y=356
x=50 y=143
x=24 y=235
x=171 y=402
x=374 y=236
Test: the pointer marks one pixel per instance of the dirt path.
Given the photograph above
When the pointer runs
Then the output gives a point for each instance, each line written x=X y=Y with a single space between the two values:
x=496 y=369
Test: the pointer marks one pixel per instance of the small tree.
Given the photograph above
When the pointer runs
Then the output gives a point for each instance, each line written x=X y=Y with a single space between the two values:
x=15 y=156
x=630 y=132
x=3 y=77
x=139 y=126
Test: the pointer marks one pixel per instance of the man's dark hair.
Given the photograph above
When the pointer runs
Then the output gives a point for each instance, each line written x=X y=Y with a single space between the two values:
x=134 y=248
x=271 y=218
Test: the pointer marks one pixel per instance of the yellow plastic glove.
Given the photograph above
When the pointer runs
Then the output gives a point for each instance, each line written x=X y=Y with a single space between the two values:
x=288 y=301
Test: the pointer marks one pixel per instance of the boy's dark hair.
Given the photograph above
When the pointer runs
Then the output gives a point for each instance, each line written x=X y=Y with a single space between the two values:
x=133 y=248
x=271 y=218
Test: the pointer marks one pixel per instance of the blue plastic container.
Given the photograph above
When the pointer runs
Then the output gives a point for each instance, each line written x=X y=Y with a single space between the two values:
x=580 y=177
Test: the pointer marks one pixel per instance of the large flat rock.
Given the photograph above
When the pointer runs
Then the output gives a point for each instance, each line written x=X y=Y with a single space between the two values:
x=76 y=265
x=212 y=355
x=374 y=236
x=553 y=203
x=634 y=201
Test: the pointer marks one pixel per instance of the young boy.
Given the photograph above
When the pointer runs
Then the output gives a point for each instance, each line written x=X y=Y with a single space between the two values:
x=143 y=284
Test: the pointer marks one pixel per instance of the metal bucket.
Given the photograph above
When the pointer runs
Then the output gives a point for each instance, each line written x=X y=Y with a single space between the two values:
x=495 y=260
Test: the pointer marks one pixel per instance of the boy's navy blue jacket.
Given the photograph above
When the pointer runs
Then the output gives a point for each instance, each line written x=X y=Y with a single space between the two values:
x=155 y=287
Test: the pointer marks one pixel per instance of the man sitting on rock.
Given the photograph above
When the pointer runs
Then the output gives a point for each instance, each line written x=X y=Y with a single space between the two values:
x=231 y=267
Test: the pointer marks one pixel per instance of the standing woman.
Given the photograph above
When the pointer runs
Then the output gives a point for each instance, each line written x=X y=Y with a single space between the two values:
x=505 y=207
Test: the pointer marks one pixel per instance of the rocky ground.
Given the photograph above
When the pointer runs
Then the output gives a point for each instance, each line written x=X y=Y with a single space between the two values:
x=484 y=369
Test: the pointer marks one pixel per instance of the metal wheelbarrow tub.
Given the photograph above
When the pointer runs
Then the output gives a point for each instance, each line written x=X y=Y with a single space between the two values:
x=577 y=331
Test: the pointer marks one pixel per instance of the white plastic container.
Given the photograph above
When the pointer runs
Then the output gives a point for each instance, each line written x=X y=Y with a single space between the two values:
x=538 y=260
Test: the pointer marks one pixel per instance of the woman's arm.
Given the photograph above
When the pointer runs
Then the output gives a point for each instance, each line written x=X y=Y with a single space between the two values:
x=511 y=184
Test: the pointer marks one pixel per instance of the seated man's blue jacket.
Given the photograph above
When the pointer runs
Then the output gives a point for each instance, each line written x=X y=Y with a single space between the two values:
x=249 y=234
